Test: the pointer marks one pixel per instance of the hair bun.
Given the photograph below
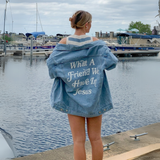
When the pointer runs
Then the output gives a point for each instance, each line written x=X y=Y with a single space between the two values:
x=79 y=19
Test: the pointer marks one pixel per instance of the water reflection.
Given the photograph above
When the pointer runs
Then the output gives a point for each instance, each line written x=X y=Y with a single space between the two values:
x=2 y=63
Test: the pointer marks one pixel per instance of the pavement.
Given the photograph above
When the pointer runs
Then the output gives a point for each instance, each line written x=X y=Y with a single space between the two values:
x=155 y=155
x=124 y=148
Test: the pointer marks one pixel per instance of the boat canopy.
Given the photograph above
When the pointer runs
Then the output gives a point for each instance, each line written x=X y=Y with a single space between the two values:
x=138 y=35
x=154 y=36
x=35 y=34
x=63 y=35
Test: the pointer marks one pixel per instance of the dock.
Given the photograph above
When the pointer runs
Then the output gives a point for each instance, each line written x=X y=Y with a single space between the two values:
x=42 y=53
x=125 y=146
x=22 y=53
x=135 y=53
x=132 y=53
x=117 y=53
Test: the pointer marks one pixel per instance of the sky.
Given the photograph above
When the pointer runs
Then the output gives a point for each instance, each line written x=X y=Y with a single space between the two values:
x=107 y=15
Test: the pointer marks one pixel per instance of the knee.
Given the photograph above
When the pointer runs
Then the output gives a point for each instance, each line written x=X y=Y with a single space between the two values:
x=79 y=140
x=94 y=137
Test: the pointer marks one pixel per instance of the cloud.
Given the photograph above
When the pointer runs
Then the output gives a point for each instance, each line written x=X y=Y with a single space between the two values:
x=108 y=15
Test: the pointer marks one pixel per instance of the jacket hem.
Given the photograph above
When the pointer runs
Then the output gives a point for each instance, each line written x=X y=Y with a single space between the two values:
x=100 y=112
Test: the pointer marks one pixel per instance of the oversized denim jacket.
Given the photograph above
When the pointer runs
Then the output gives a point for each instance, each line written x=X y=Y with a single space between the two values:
x=80 y=86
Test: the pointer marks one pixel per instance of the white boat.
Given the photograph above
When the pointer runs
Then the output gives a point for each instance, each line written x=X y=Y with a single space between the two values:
x=7 y=150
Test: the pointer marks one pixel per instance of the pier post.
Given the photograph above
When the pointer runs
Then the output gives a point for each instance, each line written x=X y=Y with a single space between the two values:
x=31 y=53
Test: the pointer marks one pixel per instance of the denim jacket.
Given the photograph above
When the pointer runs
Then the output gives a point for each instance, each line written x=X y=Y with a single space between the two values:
x=80 y=86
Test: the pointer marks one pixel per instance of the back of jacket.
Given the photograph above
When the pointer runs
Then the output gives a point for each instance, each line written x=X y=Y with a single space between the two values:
x=80 y=86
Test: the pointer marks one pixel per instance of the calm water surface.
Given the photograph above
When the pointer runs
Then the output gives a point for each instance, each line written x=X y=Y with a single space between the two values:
x=25 y=110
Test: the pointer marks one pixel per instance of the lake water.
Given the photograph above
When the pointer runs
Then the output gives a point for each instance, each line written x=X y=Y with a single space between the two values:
x=26 y=114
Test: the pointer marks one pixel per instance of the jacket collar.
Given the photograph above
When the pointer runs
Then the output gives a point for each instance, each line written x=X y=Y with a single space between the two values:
x=69 y=47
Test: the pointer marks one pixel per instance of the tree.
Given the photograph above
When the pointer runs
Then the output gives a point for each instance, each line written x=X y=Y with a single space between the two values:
x=143 y=28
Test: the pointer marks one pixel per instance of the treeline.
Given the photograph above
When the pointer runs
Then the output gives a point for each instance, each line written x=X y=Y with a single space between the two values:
x=143 y=28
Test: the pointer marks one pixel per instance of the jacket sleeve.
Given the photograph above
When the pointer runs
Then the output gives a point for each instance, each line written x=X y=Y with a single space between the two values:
x=52 y=66
x=110 y=59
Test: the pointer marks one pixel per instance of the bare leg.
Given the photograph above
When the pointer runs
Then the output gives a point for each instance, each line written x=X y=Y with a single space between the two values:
x=94 y=134
x=77 y=125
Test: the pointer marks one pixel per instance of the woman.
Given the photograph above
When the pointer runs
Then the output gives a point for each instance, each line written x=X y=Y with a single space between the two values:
x=80 y=89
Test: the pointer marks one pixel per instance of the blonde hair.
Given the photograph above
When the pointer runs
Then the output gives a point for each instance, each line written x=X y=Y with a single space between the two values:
x=80 y=18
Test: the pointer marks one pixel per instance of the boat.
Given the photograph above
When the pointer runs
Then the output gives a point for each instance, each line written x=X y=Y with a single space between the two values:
x=7 y=150
x=134 y=51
